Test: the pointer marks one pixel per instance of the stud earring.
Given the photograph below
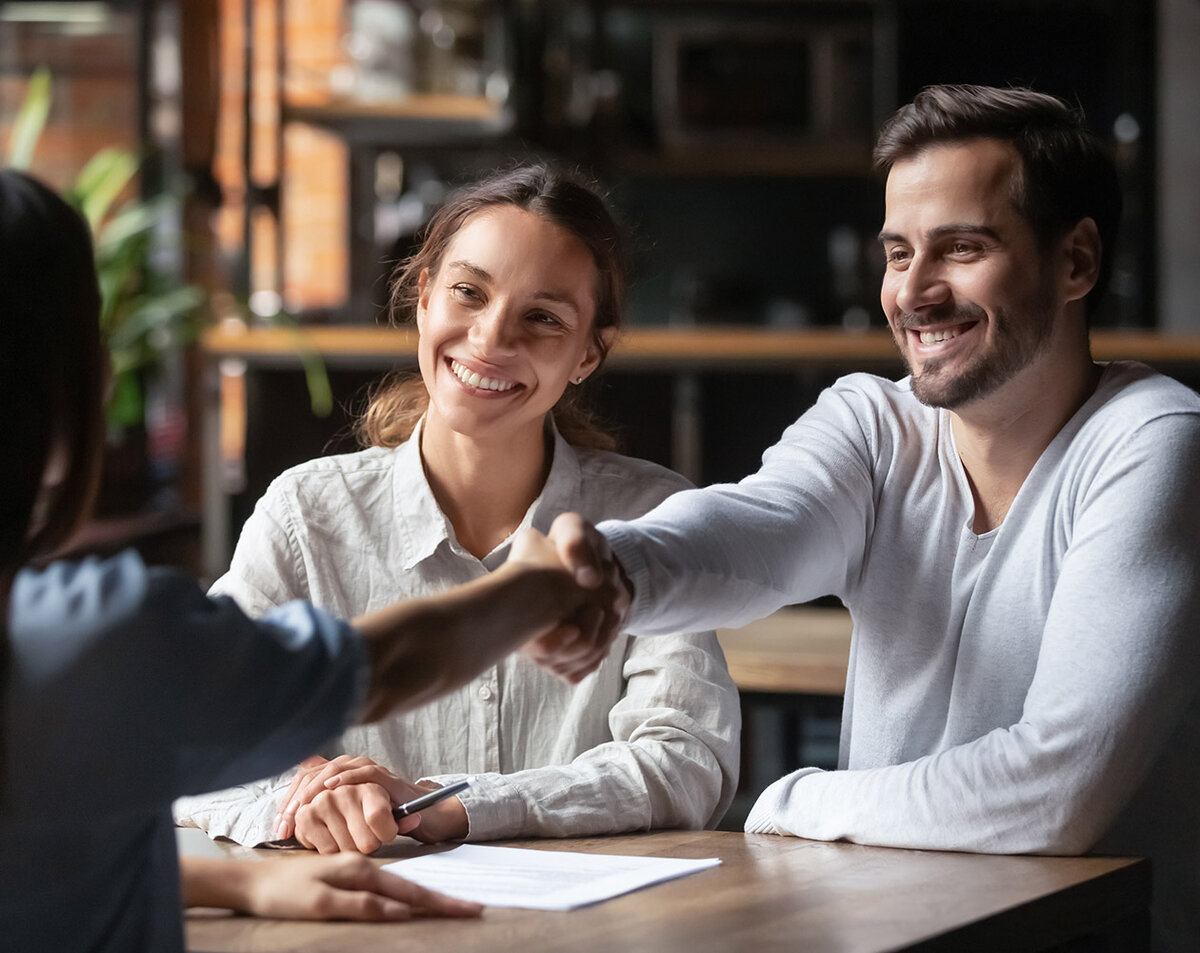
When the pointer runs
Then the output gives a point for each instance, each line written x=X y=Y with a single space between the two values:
x=578 y=380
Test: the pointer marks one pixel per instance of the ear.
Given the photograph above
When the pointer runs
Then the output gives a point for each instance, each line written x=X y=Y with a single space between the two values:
x=422 y=294
x=593 y=355
x=1083 y=250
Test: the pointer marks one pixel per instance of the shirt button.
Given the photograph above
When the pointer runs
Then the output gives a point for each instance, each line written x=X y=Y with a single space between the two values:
x=485 y=692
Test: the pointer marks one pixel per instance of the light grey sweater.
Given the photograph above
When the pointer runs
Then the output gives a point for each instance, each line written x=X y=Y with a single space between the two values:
x=1029 y=690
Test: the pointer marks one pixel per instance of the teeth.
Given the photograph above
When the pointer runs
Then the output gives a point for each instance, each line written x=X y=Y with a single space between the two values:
x=474 y=379
x=933 y=337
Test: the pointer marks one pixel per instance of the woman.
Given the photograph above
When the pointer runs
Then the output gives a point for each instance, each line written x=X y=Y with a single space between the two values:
x=517 y=294
x=124 y=687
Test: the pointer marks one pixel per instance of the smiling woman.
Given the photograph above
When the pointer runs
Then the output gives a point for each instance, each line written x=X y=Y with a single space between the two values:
x=517 y=295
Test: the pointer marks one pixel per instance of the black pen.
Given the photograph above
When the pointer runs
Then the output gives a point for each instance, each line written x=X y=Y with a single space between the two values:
x=428 y=800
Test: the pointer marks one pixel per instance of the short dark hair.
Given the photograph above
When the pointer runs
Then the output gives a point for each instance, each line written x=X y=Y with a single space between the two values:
x=51 y=366
x=1067 y=173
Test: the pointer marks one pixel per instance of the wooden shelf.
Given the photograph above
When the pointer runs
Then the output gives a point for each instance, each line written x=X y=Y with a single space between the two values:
x=662 y=348
x=415 y=120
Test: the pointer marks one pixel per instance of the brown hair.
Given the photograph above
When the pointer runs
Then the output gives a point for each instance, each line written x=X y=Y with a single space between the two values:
x=563 y=198
x=1067 y=174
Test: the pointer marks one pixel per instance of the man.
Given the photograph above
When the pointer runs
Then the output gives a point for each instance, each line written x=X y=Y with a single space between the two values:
x=1014 y=528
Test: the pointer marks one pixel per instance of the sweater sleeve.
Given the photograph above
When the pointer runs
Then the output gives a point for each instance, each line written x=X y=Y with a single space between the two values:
x=728 y=554
x=1118 y=665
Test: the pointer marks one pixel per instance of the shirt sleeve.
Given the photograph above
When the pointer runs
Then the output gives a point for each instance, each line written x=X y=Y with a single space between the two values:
x=266 y=572
x=672 y=763
x=728 y=554
x=1118 y=666
x=182 y=692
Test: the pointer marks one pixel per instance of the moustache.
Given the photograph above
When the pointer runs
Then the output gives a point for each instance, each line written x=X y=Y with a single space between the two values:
x=954 y=314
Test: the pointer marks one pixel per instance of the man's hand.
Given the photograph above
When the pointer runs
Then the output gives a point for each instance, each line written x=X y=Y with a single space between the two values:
x=317 y=888
x=577 y=646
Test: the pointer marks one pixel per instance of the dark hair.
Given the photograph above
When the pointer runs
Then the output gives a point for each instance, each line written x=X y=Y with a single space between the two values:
x=1067 y=174
x=50 y=380
x=50 y=367
x=567 y=200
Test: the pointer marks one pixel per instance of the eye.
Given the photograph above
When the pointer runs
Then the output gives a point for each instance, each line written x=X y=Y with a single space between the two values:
x=963 y=249
x=896 y=256
x=465 y=292
x=546 y=319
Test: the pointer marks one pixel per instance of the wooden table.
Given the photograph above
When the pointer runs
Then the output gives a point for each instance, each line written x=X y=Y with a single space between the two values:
x=769 y=893
x=797 y=651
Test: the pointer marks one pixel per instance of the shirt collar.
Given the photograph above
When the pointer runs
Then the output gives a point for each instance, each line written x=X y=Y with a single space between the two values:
x=425 y=524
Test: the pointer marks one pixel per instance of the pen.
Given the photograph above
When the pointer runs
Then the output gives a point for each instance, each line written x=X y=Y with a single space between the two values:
x=428 y=800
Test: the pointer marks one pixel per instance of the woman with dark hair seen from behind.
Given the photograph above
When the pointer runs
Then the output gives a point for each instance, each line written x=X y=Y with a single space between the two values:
x=124 y=687
x=516 y=292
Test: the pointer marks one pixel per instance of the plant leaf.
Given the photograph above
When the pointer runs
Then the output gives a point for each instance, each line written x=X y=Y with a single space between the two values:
x=101 y=181
x=31 y=120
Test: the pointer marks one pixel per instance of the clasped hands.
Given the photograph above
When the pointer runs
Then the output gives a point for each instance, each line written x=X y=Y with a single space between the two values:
x=346 y=804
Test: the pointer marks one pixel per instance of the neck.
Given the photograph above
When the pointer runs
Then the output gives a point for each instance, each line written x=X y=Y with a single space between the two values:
x=1000 y=440
x=484 y=487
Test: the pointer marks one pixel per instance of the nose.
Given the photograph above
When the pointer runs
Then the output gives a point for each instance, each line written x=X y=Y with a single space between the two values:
x=920 y=286
x=492 y=331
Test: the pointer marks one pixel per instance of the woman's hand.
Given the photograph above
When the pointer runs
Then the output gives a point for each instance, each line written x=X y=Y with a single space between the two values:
x=346 y=805
x=347 y=887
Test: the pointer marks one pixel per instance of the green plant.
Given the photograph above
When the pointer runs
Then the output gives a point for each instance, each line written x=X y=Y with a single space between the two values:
x=144 y=313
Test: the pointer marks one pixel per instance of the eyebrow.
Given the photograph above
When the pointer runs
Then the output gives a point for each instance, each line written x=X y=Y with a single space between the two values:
x=483 y=275
x=954 y=228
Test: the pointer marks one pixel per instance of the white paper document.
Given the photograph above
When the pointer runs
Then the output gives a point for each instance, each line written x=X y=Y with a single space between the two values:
x=539 y=879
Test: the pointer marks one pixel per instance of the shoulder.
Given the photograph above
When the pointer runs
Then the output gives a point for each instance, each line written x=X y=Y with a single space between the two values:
x=332 y=478
x=68 y=608
x=620 y=487
x=366 y=463
x=91 y=595
x=1131 y=392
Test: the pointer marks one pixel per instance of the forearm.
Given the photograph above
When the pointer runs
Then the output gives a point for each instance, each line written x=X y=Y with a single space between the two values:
x=215 y=882
x=423 y=648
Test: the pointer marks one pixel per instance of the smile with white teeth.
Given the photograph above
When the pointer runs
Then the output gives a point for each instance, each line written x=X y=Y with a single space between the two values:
x=474 y=379
x=945 y=334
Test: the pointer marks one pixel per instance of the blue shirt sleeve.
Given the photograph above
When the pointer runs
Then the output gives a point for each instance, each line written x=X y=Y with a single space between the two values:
x=129 y=687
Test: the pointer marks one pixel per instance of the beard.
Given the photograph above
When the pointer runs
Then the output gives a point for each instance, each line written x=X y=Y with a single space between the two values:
x=1020 y=335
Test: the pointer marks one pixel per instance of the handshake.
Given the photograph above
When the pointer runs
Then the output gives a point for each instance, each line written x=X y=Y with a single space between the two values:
x=560 y=598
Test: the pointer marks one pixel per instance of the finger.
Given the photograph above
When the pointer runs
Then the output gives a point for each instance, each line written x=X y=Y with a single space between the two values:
x=578 y=546
x=285 y=821
x=326 y=826
x=302 y=772
x=312 y=833
x=370 y=773
x=315 y=782
x=376 y=816
x=420 y=898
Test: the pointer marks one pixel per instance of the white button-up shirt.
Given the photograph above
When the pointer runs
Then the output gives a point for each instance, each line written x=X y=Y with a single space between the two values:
x=649 y=740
